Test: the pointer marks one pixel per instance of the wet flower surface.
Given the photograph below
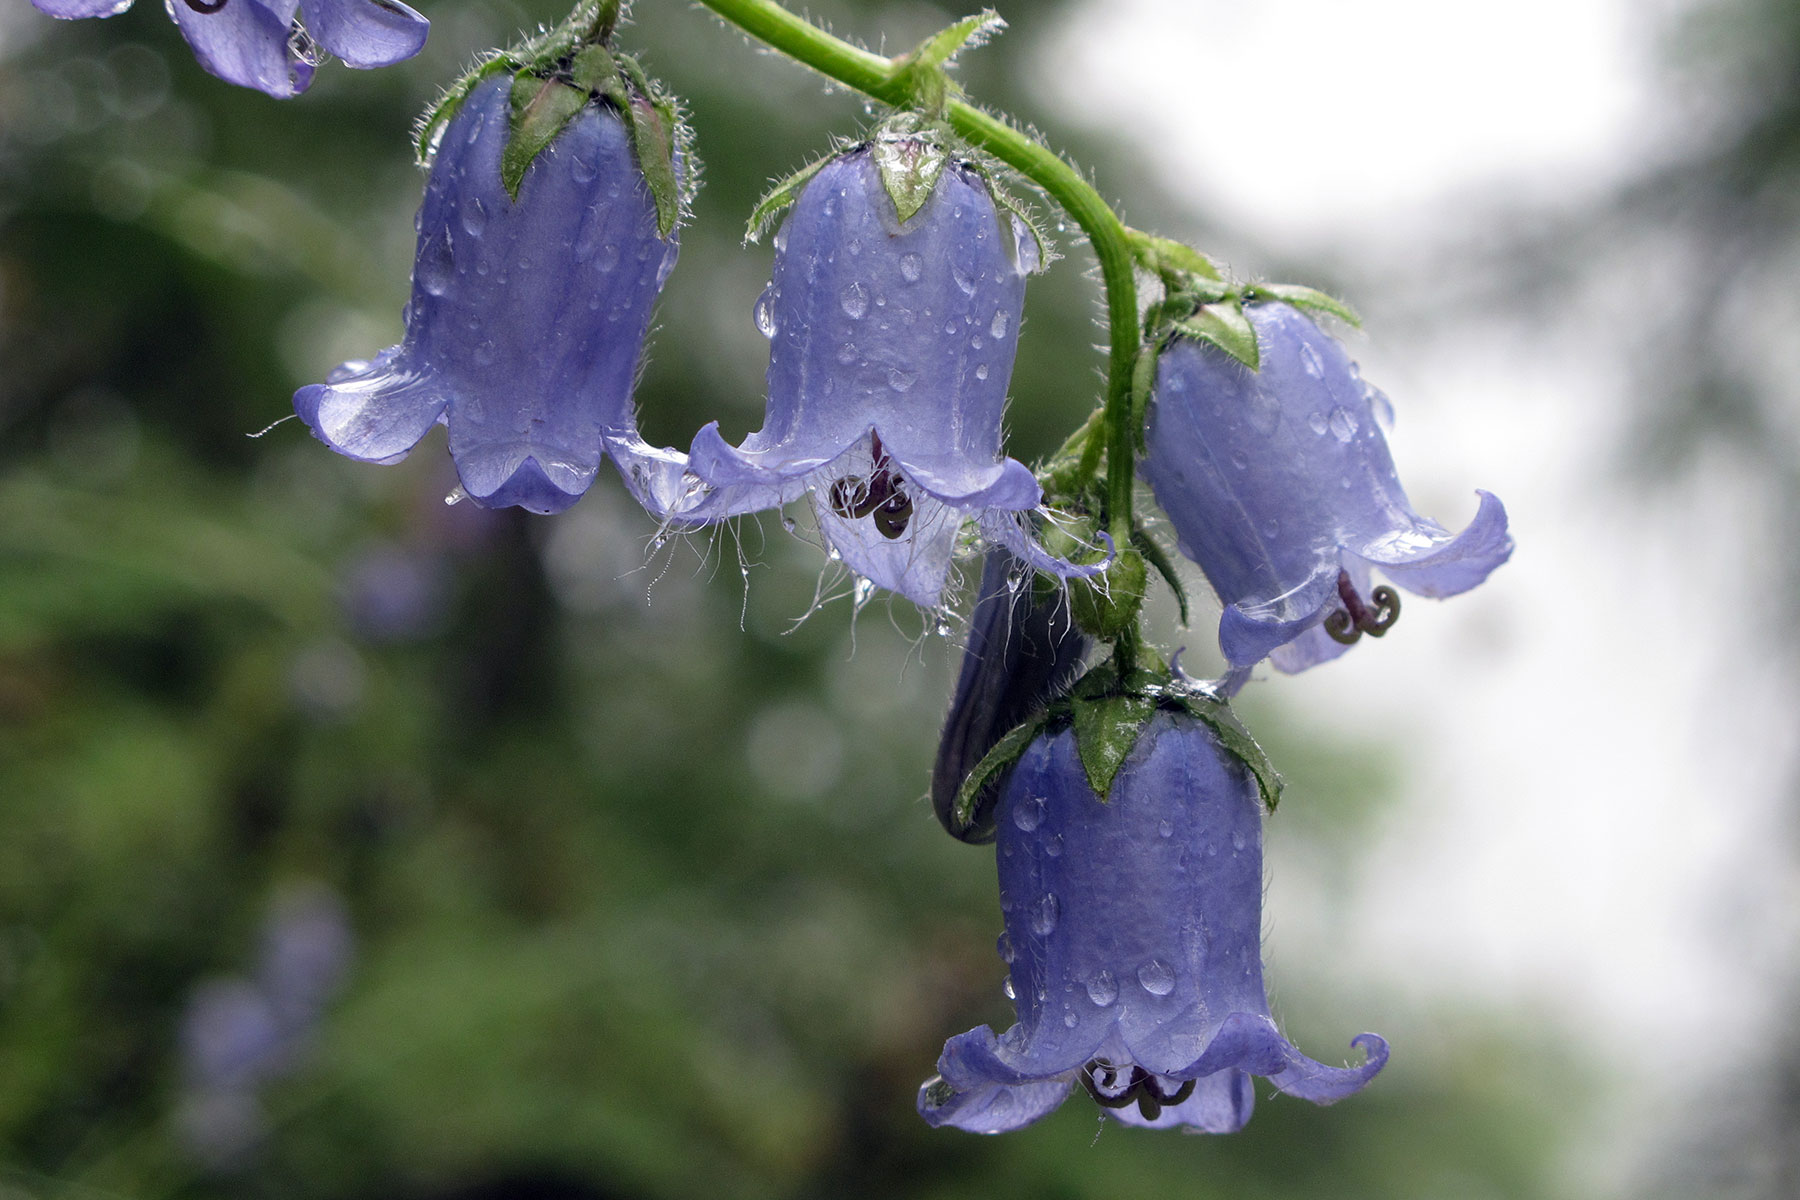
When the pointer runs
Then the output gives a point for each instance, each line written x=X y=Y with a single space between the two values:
x=1133 y=941
x=891 y=346
x=1280 y=485
x=527 y=319
x=261 y=44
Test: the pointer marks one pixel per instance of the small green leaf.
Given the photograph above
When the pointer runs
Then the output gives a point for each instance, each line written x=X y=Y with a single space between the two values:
x=594 y=71
x=1106 y=728
x=1143 y=382
x=654 y=125
x=1003 y=202
x=943 y=46
x=1157 y=557
x=972 y=814
x=779 y=197
x=910 y=165
x=1308 y=298
x=540 y=109
x=1237 y=740
x=1225 y=326
x=1164 y=255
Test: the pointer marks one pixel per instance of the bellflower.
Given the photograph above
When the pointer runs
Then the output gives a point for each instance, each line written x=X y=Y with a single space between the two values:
x=891 y=345
x=260 y=44
x=1280 y=485
x=1132 y=937
x=527 y=318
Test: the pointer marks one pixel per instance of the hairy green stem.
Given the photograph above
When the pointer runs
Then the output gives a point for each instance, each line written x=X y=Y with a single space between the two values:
x=886 y=81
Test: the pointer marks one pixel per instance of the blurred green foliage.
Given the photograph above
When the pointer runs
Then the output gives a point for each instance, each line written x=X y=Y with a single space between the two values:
x=646 y=896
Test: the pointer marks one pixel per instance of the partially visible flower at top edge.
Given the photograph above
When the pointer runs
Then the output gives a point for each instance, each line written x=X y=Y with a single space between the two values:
x=1133 y=942
x=1023 y=651
x=259 y=43
x=1280 y=486
x=891 y=346
x=527 y=319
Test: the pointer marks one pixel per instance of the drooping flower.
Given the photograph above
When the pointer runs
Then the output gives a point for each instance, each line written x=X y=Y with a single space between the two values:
x=1133 y=931
x=1023 y=651
x=891 y=345
x=527 y=318
x=1280 y=485
x=261 y=44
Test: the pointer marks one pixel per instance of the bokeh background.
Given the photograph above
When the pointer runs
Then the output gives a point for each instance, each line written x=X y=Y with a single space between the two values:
x=353 y=845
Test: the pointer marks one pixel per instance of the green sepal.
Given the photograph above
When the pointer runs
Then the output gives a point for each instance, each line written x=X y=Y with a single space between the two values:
x=432 y=121
x=1301 y=296
x=1225 y=326
x=911 y=159
x=972 y=813
x=779 y=197
x=1159 y=558
x=656 y=132
x=1143 y=382
x=1232 y=735
x=1004 y=202
x=540 y=110
x=1105 y=606
x=1106 y=728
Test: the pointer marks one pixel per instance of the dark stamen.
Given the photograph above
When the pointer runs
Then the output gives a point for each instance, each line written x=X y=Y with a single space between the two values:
x=205 y=6
x=1356 y=618
x=1102 y=1083
x=882 y=494
x=1154 y=1085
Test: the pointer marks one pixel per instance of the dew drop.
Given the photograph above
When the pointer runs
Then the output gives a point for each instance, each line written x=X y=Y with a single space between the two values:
x=901 y=379
x=1004 y=948
x=1071 y=1020
x=1343 y=423
x=787 y=524
x=1165 y=829
x=765 y=312
x=1006 y=989
x=457 y=496
x=1044 y=916
x=582 y=169
x=861 y=593
x=855 y=301
x=963 y=279
x=608 y=258
x=1053 y=845
x=1309 y=362
x=1271 y=528
x=435 y=269
x=474 y=216
x=1103 y=989
x=997 y=327
x=1238 y=840
x=1316 y=423
x=911 y=267
x=981 y=371
x=1028 y=814
x=1026 y=256
x=1265 y=412
x=1157 y=977
x=1239 y=460
x=780 y=239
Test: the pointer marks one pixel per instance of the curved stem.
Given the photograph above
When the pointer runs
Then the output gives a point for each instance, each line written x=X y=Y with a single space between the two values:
x=879 y=77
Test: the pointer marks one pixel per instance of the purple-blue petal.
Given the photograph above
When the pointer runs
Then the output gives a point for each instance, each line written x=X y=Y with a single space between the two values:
x=1133 y=936
x=366 y=33
x=247 y=42
x=70 y=10
x=527 y=319
x=1277 y=479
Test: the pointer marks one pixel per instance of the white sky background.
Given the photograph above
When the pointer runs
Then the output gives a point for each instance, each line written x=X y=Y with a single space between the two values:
x=1597 y=759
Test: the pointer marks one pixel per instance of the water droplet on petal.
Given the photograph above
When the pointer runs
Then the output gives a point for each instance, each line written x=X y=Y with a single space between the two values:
x=1316 y=423
x=765 y=312
x=998 y=325
x=1071 y=1020
x=1271 y=528
x=1265 y=412
x=911 y=267
x=1309 y=362
x=900 y=379
x=474 y=216
x=1004 y=948
x=981 y=371
x=1165 y=829
x=1343 y=423
x=1044 y=915
x=1157 y=977
x=963 y=279
x=435 y=270
x=582 y=169
x=1028 y=813
x=1238 y=841
x=1103 y=989
x=855 y=301
x=1239 y=460
x=1053 y=845
x=1006 y=989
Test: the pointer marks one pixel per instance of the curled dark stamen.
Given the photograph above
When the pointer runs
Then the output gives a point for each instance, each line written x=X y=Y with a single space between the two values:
x=1154 y=1085
x=891 y=518
x=1102 y=1083
x=205 y=6
x=882 y=494
x=1356 y=618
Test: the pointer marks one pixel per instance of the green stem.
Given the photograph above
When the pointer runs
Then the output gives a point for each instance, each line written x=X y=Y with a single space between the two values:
x=880 y=78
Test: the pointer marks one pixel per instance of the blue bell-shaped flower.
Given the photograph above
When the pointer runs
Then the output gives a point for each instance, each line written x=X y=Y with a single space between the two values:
x=1133 y=938
x=890 y=347
x=527 y=319
x=260 y=44
x=1280 y=485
